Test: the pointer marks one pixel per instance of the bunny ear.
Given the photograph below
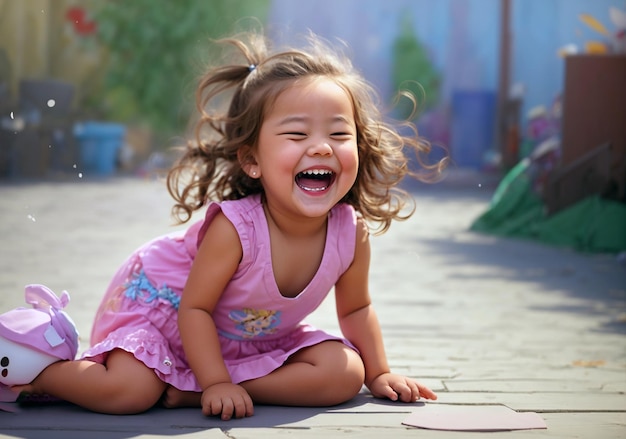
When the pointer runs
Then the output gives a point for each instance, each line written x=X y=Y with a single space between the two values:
x=40 y=296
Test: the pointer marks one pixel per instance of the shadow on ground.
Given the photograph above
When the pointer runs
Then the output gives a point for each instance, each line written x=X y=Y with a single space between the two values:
x=589 y=284
x=41 y=422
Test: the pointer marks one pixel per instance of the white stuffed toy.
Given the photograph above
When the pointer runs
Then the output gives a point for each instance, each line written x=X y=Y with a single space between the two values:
x=33 y=338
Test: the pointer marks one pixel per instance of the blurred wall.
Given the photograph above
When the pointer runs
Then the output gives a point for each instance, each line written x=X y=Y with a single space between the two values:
x=38 y=40
x=461 y=35
x=24 y=30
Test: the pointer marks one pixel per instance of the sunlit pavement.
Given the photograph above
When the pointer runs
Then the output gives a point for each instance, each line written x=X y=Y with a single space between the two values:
x=482 y=320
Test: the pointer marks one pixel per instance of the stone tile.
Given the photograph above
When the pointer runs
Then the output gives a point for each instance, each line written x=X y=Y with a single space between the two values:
x=522 y=386
x=542 y=402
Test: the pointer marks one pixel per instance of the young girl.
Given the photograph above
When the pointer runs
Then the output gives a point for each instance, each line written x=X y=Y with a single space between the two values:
x=289 y=174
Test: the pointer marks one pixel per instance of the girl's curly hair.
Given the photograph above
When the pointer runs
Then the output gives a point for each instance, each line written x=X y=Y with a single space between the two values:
x=210 y=167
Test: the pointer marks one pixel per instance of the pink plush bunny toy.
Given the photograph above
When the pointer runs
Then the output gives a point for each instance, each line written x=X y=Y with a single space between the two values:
x=33 y=338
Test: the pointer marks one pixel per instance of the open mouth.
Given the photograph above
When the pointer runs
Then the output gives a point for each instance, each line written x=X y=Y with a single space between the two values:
x=315 y=180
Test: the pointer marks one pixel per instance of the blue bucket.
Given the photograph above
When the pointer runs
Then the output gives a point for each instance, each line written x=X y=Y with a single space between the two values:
x=473 y=125
x=99 y=146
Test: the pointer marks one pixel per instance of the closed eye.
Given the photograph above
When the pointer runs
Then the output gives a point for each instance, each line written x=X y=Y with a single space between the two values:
x=293 y=134
x=341 y=135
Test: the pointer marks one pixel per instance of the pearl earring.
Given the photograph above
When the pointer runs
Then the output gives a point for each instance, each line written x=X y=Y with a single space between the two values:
x=254 y=173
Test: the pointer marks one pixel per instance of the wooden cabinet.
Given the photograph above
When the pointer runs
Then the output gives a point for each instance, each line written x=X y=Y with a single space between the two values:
x=594 y=111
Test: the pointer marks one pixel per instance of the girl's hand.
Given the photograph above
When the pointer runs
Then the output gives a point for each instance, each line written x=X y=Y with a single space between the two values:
x=226 y=400
x=398 y=387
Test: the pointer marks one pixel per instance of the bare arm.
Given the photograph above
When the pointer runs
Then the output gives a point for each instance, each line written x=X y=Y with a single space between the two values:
x=357 y=319
x=360 y=325
x=215 y=263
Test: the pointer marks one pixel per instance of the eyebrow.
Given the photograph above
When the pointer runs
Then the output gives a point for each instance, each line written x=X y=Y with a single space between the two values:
x=290 y=119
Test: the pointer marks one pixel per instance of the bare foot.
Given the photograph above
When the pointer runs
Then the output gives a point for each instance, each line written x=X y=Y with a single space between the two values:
x=174 y=398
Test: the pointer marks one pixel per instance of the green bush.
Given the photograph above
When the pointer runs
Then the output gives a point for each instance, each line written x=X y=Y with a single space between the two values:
x=155 y=50
x=413 y=71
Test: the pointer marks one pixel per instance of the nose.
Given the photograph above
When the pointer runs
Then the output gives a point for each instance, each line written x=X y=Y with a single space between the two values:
x=320 y=147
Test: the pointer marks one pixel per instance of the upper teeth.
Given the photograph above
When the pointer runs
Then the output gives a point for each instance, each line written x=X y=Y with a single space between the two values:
x=317 y=172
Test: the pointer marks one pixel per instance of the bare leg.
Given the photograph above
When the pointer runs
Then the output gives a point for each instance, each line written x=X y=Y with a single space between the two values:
x=123 y=385
x=326 y=374
x=322 y=375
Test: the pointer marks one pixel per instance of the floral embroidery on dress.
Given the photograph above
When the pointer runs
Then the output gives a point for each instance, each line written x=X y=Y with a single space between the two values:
x=139 y=287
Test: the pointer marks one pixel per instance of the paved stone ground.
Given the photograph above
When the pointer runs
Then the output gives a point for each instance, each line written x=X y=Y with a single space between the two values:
x=483 y=320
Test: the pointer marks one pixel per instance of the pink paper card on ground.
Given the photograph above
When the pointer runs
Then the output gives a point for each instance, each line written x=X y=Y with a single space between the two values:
x=6 y=398
x=473 y=418
x=11 y=408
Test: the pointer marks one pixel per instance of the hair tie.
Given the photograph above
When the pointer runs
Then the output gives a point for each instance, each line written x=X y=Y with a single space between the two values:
x=251 y=68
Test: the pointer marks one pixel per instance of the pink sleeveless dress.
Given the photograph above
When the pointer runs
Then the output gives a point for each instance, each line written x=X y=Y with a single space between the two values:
x=259 y=329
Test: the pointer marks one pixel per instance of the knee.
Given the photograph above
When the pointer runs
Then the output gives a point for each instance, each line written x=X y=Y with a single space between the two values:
x=355 y=376
x=348 y=380
x=125 y=400
x=121 y=406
